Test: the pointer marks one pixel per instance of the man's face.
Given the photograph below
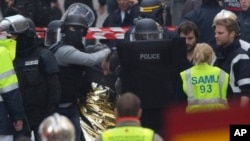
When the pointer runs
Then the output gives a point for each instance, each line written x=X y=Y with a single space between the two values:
x=222 y=36
x=190 y=40
x=123 y=4
x=245 y=4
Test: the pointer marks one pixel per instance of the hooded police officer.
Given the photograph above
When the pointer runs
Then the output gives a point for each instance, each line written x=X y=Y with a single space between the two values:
x=73 y=60
x=37 y=72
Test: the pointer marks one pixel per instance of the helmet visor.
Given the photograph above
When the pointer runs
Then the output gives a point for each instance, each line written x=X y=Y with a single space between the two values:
x=14 y=24
x=52 y=36
x=80 y=9
x=147 y=36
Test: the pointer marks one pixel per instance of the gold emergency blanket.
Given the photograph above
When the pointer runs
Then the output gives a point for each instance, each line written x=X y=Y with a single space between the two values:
x=97 y=111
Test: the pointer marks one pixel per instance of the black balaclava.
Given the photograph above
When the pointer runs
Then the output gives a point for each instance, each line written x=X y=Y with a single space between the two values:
x=24 y=41
x=74 y=38
x=24 y=44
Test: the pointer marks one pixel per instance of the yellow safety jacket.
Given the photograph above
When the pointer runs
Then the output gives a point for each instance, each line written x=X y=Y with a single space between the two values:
x=8 y=78
x=128 y=133
x=205 y=87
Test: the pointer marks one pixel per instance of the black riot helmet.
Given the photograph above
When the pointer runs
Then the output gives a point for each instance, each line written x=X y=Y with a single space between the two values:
x=151 y=9
x=75 y=20
x=53 y=33
x=23 y=27
x=31 y=32
x=147 y=29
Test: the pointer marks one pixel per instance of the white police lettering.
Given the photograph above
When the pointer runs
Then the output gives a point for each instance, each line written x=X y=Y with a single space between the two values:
x=150 y=56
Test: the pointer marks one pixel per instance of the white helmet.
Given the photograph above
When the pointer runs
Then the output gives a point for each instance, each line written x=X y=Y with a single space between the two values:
x=224 y=14
x=57 y=128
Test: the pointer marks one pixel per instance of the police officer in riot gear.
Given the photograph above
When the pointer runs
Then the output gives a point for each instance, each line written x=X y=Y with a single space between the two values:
x=75 y=27
x=155 y=10
x=37 y=72
x=73 y=60
x=132 y=76
x=93 y=74
x=146 y=29
x=53 y=33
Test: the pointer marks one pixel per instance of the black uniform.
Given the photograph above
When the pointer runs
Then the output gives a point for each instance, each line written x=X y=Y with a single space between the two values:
x=236 y=62
x=244 y=21
x=150 y=70
x=37 y=72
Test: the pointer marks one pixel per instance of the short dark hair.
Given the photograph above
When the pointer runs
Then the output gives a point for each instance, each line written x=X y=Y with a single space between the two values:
x=187 y=27
x=128 y=105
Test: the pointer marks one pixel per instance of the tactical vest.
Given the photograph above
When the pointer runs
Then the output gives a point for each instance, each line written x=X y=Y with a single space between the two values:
x=32 y=83
x=205 y=87
x=129 y=133
x=74 y=80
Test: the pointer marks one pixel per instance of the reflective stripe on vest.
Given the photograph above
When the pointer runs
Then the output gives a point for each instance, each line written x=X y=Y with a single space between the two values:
x=10 y=87
x=193 y=101
x=131 y=133
x=236 y=88
x=7 y=74
x=8 y=78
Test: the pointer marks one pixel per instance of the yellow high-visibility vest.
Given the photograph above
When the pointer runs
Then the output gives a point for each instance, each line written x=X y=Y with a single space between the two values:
x=8 y=78
x=131 y=133
x=205 y=87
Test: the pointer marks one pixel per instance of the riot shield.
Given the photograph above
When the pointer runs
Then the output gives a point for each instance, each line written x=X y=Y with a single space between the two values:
x=150 y=69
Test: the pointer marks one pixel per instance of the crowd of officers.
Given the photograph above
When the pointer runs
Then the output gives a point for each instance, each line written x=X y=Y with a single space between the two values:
x=36 y=82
